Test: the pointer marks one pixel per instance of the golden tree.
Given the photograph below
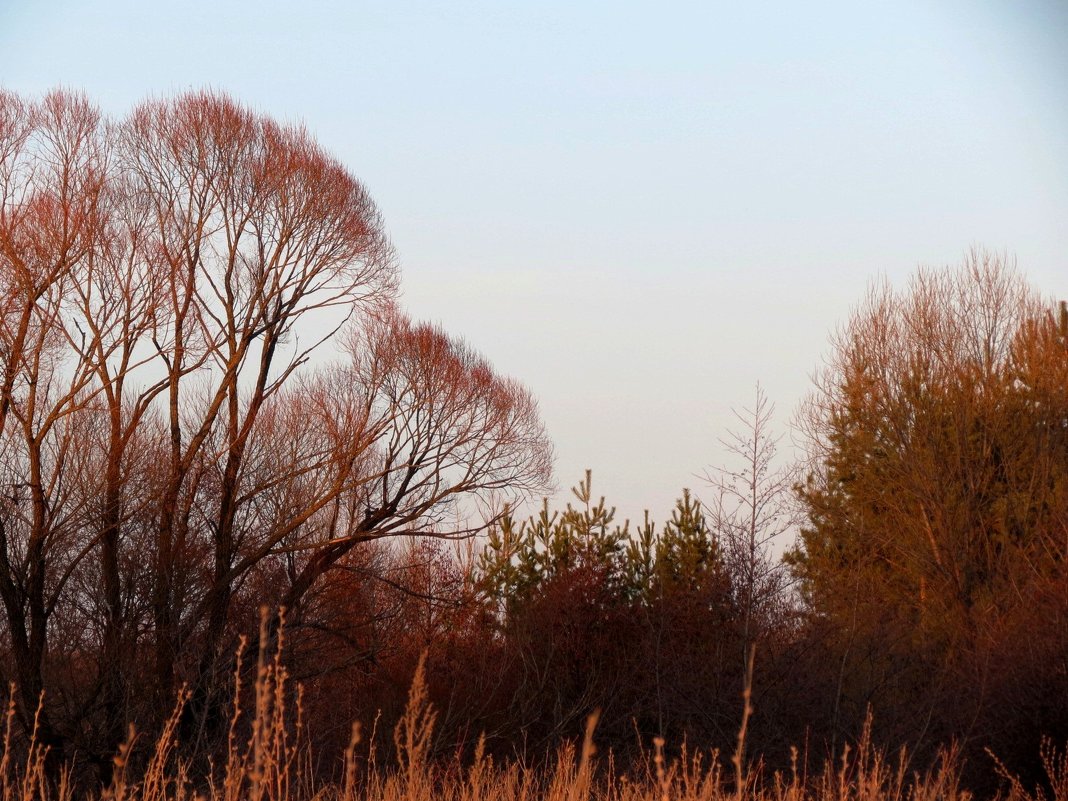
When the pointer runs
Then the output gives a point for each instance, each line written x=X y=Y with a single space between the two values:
x=937 y=498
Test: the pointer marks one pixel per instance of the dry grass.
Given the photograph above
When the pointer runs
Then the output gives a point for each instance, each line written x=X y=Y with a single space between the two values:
x=270 y=762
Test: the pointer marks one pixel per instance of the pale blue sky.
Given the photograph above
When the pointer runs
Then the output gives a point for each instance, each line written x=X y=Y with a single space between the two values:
x=638 y=209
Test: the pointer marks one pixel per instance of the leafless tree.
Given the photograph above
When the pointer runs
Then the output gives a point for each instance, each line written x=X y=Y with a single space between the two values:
x=203 y=381
x=751 y=512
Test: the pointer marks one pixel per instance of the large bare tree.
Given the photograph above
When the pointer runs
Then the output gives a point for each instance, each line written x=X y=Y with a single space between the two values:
x=203 y=382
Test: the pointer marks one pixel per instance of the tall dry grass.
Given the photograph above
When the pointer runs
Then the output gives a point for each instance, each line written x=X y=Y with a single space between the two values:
x=267 y=759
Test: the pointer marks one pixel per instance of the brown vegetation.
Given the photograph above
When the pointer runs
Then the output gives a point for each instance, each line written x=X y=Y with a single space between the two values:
x=267 y=759
x=172 y=456
x=209 y=404
x=936 y=547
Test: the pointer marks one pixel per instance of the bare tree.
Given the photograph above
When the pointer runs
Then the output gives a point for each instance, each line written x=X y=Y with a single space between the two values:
x=751 y=511
x=166 y=437
x=51 y=188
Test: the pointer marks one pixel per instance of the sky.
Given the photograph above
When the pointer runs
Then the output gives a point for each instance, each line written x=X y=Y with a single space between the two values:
x=640 y=210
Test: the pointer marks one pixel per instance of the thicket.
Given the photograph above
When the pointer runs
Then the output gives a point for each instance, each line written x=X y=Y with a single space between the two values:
x=926 y=588
x=210 y=404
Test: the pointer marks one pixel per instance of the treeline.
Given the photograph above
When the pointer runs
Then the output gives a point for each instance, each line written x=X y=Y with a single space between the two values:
x=210 y=404
x=924 y=583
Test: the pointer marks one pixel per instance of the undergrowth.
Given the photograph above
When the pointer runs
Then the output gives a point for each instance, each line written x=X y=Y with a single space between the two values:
x=267 y=759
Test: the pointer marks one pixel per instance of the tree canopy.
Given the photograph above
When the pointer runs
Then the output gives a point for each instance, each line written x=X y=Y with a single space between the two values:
x=207 y=399
x=937 y=497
